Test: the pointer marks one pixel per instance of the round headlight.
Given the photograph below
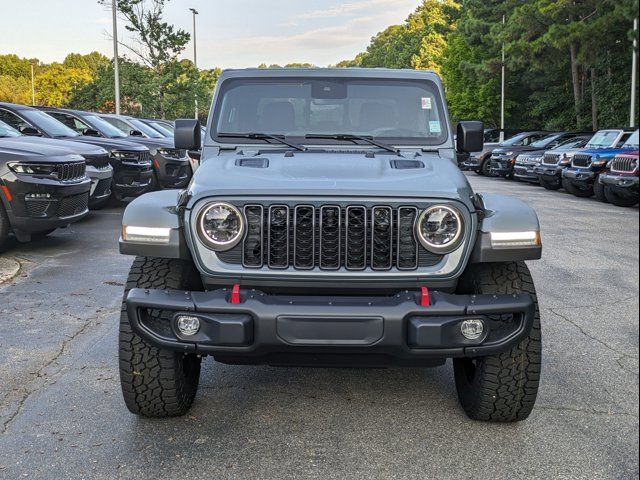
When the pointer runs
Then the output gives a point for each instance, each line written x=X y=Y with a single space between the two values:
x=440 y=228
x=220 y=226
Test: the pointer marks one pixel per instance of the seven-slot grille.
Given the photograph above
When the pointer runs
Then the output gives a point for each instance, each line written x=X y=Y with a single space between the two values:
x=551 y=158
x=527 y=159
x=330 y=237
x=581 y=160
x=624 y=165
x=101 y=162
x=144 y=157
x=68 y=172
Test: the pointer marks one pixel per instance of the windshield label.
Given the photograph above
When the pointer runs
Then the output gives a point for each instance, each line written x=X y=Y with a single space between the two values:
x=426 y=103
x=434 y=126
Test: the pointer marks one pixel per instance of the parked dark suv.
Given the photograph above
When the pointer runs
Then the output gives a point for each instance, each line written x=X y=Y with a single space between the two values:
x=172 y=168
x=131 y=162
x=40 y=189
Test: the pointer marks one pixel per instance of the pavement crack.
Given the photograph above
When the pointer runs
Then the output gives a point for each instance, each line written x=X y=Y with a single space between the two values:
x=621 y=355
x=40 y=373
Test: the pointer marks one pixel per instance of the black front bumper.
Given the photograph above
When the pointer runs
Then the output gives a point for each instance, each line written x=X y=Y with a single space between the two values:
x=621 y=184
x=131 y=179
x=39 y=204
x=271 y=328
x=579 y=177
x=172 y=172
x=549 y=173
x=502 y=166
x=101 y=179
x=525 y=173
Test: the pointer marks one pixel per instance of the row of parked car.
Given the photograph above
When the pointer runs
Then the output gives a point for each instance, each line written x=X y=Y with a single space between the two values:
x=57 y=164
x=603 y=164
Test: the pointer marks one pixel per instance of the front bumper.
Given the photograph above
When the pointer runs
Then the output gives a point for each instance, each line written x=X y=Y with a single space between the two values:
x=43 y=204
x=525 y=173
x=172 y=172
x=282 y=329
x=579 y=177
x=131 y=179
x=624 y=185
x=101 y=179
x=501 y=166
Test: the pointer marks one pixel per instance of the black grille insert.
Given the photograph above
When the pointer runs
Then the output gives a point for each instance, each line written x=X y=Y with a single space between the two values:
x=581 y=160
x=68 y=172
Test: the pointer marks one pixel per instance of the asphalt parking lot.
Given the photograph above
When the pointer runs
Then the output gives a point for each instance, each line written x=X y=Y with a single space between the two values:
x=62 y=415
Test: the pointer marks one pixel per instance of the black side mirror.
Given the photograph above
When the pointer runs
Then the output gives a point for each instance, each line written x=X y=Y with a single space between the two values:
x=90 y=132
x=470 y=137
x=30 y=131
x=187 y=134
x=136 y=133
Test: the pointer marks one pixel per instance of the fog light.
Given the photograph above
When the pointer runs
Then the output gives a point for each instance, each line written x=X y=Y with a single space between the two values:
x=188 y=325
x=472 y=329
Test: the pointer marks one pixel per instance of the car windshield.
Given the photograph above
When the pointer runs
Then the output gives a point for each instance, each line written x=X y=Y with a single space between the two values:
x=544 y=141
x=516 y=140
x=632 y=142
x=104 y=127
x=576 y=142
x=47 y=124
x=8 y=131
x=161 y=128
x=144 y=128
x=391 y=110
x=604 y=138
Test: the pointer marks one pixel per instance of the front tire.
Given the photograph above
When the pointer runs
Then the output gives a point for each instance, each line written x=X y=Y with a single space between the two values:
x=157 y=382
x=504 y=387
x=619 y=200
x=5 y=228
x=598 y=192
x=578 y=192
x=549 y=185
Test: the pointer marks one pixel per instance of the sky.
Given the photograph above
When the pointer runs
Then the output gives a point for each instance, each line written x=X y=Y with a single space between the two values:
x=230 y=33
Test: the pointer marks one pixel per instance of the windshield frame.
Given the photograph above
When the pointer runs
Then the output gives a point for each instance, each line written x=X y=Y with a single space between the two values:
x=601 y=132
x=444 y=140
x=635 y=136
x=139 y=125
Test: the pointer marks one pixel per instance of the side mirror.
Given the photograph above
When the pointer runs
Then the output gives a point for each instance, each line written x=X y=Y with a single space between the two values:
x=136 y=133
x=470 y=137
x=187 y=134
x=30 y=131
x=90 y=132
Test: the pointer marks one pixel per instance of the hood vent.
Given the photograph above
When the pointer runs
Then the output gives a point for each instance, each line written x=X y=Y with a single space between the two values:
x=406 y=164
x=253 y=162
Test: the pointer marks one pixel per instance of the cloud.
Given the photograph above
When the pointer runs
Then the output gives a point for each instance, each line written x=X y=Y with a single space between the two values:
x=354 y=8
x=103 y=21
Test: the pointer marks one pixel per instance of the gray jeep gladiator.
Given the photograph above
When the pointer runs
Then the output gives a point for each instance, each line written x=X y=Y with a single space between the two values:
x=328 y=225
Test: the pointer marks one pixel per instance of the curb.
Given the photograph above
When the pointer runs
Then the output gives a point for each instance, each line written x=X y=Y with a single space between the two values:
x=9 y=268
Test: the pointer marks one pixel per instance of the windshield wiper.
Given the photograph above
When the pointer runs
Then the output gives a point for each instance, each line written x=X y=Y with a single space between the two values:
x=353 y=138
x=264 y=136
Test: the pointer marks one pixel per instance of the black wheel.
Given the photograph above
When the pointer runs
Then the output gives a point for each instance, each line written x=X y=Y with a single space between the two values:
x=574 y=190
x=598 y=191
x=500 y=388
x=485 y=167
x=5 y=228
x=549 y=185
x=157 y=382
x=619 y=200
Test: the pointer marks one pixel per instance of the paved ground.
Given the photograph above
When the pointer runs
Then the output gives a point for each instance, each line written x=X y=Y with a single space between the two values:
x=61 y=414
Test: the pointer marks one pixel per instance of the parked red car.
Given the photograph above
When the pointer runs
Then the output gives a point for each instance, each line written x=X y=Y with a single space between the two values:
x=621 y=181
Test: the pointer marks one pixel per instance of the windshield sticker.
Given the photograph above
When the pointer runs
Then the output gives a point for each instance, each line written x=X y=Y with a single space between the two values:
x=426 y=103
x=434 y=126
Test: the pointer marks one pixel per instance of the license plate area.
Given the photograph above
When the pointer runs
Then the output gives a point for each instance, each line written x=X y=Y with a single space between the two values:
x=329 y=330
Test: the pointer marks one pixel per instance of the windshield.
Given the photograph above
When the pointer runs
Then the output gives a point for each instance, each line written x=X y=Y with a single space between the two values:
x=576 y=142
x=521 y=139
x=395 y=111
x=162 y=129
x=7 y=131
x=48 y=124
x=604 y=138
x=104 y=127
x=632 y=141
x=144 y=128
x=543 y=142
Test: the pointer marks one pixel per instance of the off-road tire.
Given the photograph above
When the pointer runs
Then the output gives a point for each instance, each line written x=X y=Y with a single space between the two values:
x=500 y=388
x=573 y=190
x=5 y=228
x=157 y=382
x=549 y=185
x=598 y=191
x=619 y=200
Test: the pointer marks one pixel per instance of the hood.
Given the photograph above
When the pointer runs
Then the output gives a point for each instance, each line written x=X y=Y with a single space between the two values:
x=28 y=152
x=331 y=174
x=109 y=143
x=517 y=149
x=49 y=146
x=152 y=143
x=607 y=152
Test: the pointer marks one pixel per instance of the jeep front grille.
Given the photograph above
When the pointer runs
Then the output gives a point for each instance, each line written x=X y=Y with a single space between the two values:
x=581 y=160
x=330 y=237
x=551 y=158
x=100 y=162
x=624 y=165
x=70 y=172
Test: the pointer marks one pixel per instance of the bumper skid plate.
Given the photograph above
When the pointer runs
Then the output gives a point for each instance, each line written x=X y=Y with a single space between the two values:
x=396 y=327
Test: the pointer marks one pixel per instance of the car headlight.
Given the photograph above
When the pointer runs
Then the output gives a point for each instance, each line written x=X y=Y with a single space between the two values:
x=33 y=168
x=598 y=162
x=172 y=152
x=507 y=154
x=220 y=226
x=440 y=229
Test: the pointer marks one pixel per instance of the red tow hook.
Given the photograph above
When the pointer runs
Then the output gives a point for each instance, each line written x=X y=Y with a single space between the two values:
x=425 y=299
x=235 y=294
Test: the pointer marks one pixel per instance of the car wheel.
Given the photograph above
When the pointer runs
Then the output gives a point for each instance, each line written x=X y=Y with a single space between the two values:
x=5 y=228
x=598 y=192
x=485 y=168
x=549 y=185
x=619 y=200
x=574 y=190
x=504 y=387
x=157 y=382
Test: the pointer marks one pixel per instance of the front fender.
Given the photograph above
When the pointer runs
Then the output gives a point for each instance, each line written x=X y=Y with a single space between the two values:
x=505 y=215
x=157 y=229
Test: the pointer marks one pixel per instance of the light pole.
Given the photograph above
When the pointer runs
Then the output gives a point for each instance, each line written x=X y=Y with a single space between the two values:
x=502 y=95
x=634 y=74
x=116 y=70
x=195 y=55
x=33 y=88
